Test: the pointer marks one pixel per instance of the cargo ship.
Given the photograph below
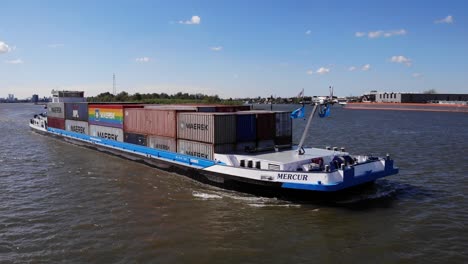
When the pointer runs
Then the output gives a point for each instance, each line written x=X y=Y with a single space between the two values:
x=232 y=147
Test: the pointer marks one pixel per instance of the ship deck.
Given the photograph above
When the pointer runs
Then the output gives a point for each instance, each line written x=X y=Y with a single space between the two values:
x=291 y=155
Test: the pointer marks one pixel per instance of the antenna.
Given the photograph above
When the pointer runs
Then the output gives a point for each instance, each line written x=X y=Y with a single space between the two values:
x=114 y=90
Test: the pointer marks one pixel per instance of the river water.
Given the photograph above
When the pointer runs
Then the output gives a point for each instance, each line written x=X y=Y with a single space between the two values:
x=60 y=203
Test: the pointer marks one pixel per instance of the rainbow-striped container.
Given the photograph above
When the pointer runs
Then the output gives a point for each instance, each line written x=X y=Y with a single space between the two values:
x=110 y=115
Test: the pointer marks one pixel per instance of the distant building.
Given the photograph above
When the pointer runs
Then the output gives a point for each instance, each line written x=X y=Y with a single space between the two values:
x=67 y=96
x=35 y=98
x=391 y=97
x=11 y=98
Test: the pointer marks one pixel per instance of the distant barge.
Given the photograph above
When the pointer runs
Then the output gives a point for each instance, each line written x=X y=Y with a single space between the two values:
x=429 y=107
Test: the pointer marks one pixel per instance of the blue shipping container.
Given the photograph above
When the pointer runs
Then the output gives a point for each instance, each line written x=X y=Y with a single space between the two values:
x=246 y=127
x=76 y=111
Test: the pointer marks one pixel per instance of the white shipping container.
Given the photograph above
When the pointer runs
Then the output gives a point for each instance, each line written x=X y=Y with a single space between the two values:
x=56 y=110
x=217 y=128
x=164 y=143
x=77 y=126
x=106 y=132
x=202 y=150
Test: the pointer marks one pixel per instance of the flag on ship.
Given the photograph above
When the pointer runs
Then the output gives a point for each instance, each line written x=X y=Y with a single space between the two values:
x=298 y=113
x=301 y=93
x=324 y=111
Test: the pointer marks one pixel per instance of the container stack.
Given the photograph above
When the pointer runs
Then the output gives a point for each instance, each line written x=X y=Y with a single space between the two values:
x=203 y=134
x=56 y=115
x=107 y=120
x=152 y=127
x=201 y=108
x=283 y=131
x=263 y=130
x=246 y=131
x=196 y=130
x=76 y=117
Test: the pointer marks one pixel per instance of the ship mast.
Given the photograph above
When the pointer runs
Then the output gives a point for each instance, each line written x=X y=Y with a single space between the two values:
x=300 y=149
x=114 y=89
x=325 y=103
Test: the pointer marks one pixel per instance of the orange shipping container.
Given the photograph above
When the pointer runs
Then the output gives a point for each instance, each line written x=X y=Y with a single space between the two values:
x=151 y=122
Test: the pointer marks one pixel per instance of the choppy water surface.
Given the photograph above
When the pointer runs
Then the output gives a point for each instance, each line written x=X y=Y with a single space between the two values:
x=64 y=203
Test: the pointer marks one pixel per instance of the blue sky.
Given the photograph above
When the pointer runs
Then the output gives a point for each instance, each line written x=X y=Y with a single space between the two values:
x=233 y=49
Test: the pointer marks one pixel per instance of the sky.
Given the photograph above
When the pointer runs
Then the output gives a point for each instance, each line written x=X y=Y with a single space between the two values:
x=233 y=48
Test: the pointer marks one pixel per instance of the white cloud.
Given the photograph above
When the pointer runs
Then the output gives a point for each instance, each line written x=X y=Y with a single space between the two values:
x=395 y=33
x=381 y=33
x=323 y=70
x=417 y=75
x=55 y=45
x=375 y=34
x=218 y=48
x=360 y=34
x=446 y=20
x=17 y=61
x=309 y=72
x=195 y=20
x=4 y=48
x=365 y=67
x=308 y=32
x=143 y=59
x=401 y=59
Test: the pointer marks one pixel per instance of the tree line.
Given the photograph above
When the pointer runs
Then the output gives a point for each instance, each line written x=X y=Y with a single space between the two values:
x=160 y=98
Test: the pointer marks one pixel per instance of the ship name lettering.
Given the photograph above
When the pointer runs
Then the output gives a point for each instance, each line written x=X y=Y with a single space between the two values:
x=161 y=146
x=107 y=135
x=107 y=115
x=56 y=110
x=292 y=176
x=78 y=129
x=197 y=126
x=197 y=154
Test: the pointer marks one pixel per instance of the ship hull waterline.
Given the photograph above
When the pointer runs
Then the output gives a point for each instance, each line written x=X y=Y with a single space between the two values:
x=230 y=182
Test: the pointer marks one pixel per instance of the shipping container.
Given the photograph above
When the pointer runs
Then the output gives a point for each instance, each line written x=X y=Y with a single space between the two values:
x=265 y=144
x=244 y=107
x=206 y=109
x=287 y=140
x=137 y=139
x=110 y=115
x=246 y=146
x=246 y=127
x=77 y=126
x=106 y=132
x=185 y=108
x=266 y=126
x=283 y=124
x=76 y=111
x=232 y=108
x=226 y=109
x=56 y=110
x=202 y=150
x=217 y=128
x=151 y=122
x=201 y=107
x=164 y=143
x=56 y=122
